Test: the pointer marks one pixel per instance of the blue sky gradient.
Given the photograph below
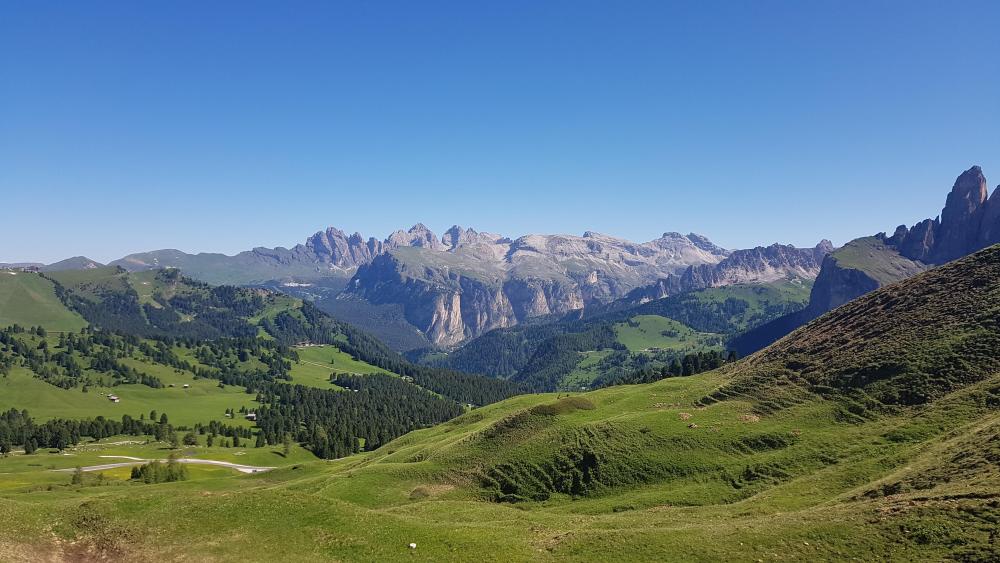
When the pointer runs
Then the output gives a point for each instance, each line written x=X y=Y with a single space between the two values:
x=132 y=126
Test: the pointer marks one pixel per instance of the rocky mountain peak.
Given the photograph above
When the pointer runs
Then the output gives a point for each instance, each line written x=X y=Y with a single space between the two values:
x=457 y=236
x=824 y=246
x=702 y=242
x=967 y=195
x=961 y=218
x=418 y=235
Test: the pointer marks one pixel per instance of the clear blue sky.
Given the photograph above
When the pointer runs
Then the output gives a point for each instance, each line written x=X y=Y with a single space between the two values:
x=207 y=126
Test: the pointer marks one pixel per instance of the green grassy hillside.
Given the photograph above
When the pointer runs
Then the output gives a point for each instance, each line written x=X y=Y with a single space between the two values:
x=866 y=435
x=652 y=332
x=871 y=256
x=28 y=299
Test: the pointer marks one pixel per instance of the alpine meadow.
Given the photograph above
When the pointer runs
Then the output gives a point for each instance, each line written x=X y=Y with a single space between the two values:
x=819 y=380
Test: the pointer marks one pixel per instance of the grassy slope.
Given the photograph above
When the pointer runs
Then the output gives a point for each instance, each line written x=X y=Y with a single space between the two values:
x=781 y=470
x=92 y=283
x=874 y=258
x=646 y=332
x=586 y=371
x=202 y=402
x=27 y=299
x=316 y=363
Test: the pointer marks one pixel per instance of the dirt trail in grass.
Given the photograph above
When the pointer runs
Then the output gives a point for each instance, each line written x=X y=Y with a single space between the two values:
x=138 y=461
x=315 y=364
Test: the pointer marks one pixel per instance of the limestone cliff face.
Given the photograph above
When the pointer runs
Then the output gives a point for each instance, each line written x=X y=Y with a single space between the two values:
x=449 y=305
x=755 y=265
x=538 y=297
x=469 y=282
x=836 y=285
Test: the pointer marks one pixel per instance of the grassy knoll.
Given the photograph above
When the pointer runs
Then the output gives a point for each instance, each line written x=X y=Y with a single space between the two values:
x=27 y=299
x=316 y=363
x=793 y=486
x=647 y=332
x=586 y=371
x=872 y=256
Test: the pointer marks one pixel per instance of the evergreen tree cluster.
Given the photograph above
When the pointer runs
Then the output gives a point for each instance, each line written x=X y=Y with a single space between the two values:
x=17 y=428
x=158 y=472
x=64 y=366
x=376 y=408
x=678 y=366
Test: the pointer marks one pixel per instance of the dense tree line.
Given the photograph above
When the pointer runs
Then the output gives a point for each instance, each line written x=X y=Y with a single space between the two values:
x=376 y=408
x=686 y=365
x=556 y=357
x=64 y=365
x=218 y=310
x=17 y=428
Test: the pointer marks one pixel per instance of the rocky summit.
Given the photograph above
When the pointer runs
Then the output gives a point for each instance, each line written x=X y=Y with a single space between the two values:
x=969 y=222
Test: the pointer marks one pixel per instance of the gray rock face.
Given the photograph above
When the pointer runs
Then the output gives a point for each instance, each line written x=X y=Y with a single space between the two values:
x=418 y=235
x=474 y=282
x=334 y=247
x=755 y=265
x=969 y=222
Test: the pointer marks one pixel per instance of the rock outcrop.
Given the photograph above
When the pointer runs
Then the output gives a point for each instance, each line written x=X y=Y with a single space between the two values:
x=474 y=282
x=970 y=221
x=755 y=265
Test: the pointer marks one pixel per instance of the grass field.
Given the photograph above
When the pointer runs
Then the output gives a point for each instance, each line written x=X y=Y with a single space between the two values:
x=202 y=402
x=735 y=487
x=316 y=363
x=27 y=299
x=646 y=332
x=20 y=472
x=586 y=371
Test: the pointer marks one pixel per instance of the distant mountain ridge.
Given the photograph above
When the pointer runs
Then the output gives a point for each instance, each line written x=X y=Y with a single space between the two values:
x=970 y=221
x=754 y=265
x=464 y=283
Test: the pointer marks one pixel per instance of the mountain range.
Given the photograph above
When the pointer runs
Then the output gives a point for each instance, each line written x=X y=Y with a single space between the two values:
x=426 y=290
x=415 y=289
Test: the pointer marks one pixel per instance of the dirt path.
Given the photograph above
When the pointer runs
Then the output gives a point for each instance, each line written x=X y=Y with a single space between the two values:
x=139 y=461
